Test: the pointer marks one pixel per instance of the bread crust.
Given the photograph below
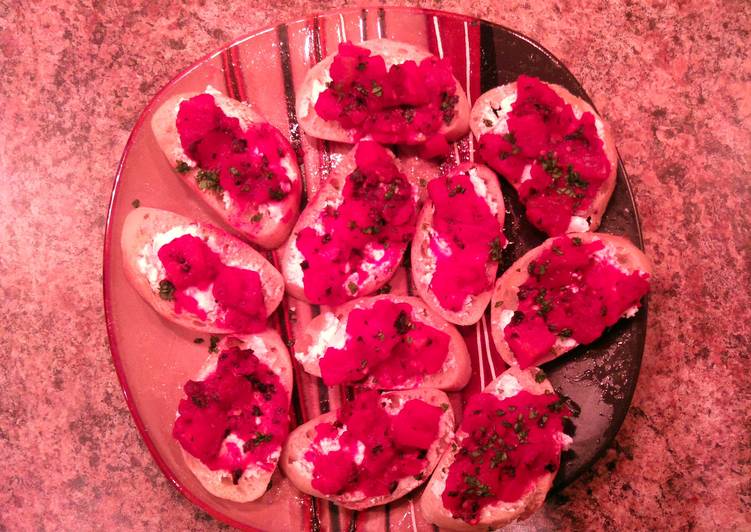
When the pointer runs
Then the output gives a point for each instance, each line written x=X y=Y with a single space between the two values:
x=455 y=372
x=507 y=287
x=254 y=481
x=300 y=440
x=393 y=52
x=267 y=232
x=139 y=229
x=499 y=514
x=493 y=98
x=423 y=261
x=329 y=193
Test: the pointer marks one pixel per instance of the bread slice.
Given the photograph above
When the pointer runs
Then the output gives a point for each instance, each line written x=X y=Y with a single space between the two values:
x=267 y=224
x=501 y=513
x=505 y=295
x=423 y=260
x=300 y=471
x=330 y=194
x=490 y=113
x=270 y=349
x=146 y=229
x=329 y=328
x=393 y=53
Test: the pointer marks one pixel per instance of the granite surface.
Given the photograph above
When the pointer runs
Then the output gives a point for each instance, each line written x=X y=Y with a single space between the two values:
x=673 y=78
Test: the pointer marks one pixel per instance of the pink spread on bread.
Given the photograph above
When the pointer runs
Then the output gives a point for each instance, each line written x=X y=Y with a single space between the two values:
x=509 y=444
x=407 y=103
x=384 y=342
x=368 y=230
x=369 y=450
x=555 y=160
x=236 y=417
x=191 y=266
x=465 y=237
x=572 y=293
x=245 y=163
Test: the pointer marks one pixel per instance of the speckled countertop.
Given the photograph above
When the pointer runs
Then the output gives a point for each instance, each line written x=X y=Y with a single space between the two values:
x=674 y=79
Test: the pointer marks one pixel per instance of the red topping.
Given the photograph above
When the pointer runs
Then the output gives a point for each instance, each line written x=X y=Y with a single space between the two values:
x=190 y=262
x=568 y=162
x=395 y=446
x=377 y=215
x=467 y=237
x=570 y=293
x=384 y=342
x=247 y=164
x=510 y=443
x=232 y=400
x=405 y=105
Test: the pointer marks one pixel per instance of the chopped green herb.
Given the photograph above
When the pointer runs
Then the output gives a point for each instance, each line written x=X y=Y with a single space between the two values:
x=198 y=341
x=136 y=203
x=256 y=217
x=444 y=406
x=208 y=180
x=213 y=344
x=376 y=89
x=166 y=290
x=352 y=287
x=458 y=189
x=540 y=377
x=576 y=241
x=182 y=167
x=234 y=171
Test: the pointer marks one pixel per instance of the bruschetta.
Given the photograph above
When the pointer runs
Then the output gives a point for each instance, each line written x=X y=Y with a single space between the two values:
x=565 y=292
x=385 y=342
x=351 y=237
x=197 y=275
x=553 y=148
x=458 y=243
x=234 y=160
x=394 y=92
x=233 y=420
x=504 y=457
x=374 y=450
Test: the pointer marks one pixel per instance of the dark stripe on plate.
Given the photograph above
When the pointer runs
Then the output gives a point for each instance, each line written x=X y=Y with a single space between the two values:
x=387 y=509
x=324 y=154
x=353 y=522
x=364 y=24
x=289 y=93
x=230 y=75
x=334 y=511
x=382 y=21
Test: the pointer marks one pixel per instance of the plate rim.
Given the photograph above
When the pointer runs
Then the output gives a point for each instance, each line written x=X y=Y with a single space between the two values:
x=108 y=237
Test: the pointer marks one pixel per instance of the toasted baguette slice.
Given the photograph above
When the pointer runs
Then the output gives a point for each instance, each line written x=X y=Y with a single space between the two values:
x=490 y=113
x=393 y=53
x=501 y=513
x=300 y=471
x=267 y=224
x=330 y=194
x=423 y=260
x=329 y=328
x=505 y=295
x=270 y=349
x=145 y=230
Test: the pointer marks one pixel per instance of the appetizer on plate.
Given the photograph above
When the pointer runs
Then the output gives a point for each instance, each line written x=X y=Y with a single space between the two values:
x=384 y=342
x=197 y=275
x=351 y=237
x=553 y=148
x=458 y=243
x=565 y=292
x=374 y=450
x=233 y=421
x=234 y=160
x=394 y=92
x=505 y=455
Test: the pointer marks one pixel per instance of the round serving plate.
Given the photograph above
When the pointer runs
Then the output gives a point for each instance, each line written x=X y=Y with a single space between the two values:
x=154 y=358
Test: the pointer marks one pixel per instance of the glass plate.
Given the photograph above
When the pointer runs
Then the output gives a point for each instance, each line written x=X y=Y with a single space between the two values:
x=154 y=358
